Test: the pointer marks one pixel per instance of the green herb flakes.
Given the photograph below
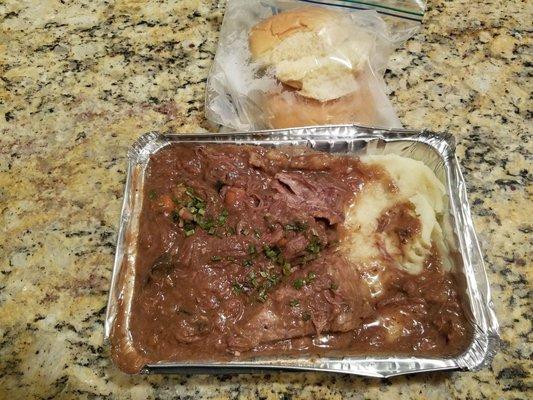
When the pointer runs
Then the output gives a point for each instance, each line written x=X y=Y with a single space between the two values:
x=294 y=303
x=271 y=253
x=299 y=283
x=253 y=280
x=251 y=249
x=273 y=279
x=314 y=246
x=287 y=269
x=262 y=296
x=296 y=226
x=189 y=191
x=222 y=218
x=152 y=194
x=237 y=287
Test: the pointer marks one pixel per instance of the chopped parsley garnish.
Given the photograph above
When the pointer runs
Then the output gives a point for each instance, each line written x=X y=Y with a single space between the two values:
x=271 y=253
x=190 y=192
x=274 y=255
x=262 y=296
x=306 y=316
x=296 y=226
x=216 y=258
x=247 y=263
x=287 y=269
x=251 y=249
x=253 y=280
x=206 y=224
x=197 y=209
x=237 y=287
x=270 y=279
x=294 y=303
x=152 y=194
x=273 y=279
x=222 y=218
x=195 y=205
x=299 y=283
x=187 y=226
x=314 y=246
x=257 y=234
x=333 y=286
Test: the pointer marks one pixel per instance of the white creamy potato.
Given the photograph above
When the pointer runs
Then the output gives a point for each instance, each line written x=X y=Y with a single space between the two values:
x=422 y=196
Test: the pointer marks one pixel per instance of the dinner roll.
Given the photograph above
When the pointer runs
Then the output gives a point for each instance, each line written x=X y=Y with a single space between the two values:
x=289 y=109
x=316 y=51
x=267 y=34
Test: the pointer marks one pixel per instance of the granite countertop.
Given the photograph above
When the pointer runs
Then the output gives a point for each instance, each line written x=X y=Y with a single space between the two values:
x=81 y=80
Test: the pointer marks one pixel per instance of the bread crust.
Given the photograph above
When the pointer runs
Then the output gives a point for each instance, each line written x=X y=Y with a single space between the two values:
x=288 y=109
x=269 y=33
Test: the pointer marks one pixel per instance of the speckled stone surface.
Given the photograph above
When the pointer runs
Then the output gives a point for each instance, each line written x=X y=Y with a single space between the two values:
x=80 y=80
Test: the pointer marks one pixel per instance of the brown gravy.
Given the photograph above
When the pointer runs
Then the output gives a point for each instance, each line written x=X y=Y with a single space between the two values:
x=238 y=258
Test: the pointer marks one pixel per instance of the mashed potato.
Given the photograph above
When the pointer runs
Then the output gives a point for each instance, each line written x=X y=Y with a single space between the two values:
x=422 y=196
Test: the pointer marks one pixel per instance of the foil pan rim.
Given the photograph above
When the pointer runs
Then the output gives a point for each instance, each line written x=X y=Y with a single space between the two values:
x=486 y=337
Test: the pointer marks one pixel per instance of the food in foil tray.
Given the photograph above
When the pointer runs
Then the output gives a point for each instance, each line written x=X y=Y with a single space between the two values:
x=247 y=251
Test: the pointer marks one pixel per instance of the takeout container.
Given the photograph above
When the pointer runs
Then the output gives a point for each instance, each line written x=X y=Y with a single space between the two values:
x=437 y=151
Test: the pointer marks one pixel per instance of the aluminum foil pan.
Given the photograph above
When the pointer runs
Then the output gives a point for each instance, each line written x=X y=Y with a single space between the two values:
x=436 y=150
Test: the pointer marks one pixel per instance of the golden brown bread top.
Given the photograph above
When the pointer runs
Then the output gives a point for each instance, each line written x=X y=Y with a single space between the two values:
x=269 y=33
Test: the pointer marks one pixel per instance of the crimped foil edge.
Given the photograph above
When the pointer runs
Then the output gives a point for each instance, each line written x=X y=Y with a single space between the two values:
x=484 y=346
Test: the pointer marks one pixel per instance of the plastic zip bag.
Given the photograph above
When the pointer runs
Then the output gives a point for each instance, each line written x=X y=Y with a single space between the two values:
x=286 y=63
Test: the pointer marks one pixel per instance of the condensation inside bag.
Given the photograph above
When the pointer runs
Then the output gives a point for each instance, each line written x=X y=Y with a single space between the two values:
x=283 y=64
